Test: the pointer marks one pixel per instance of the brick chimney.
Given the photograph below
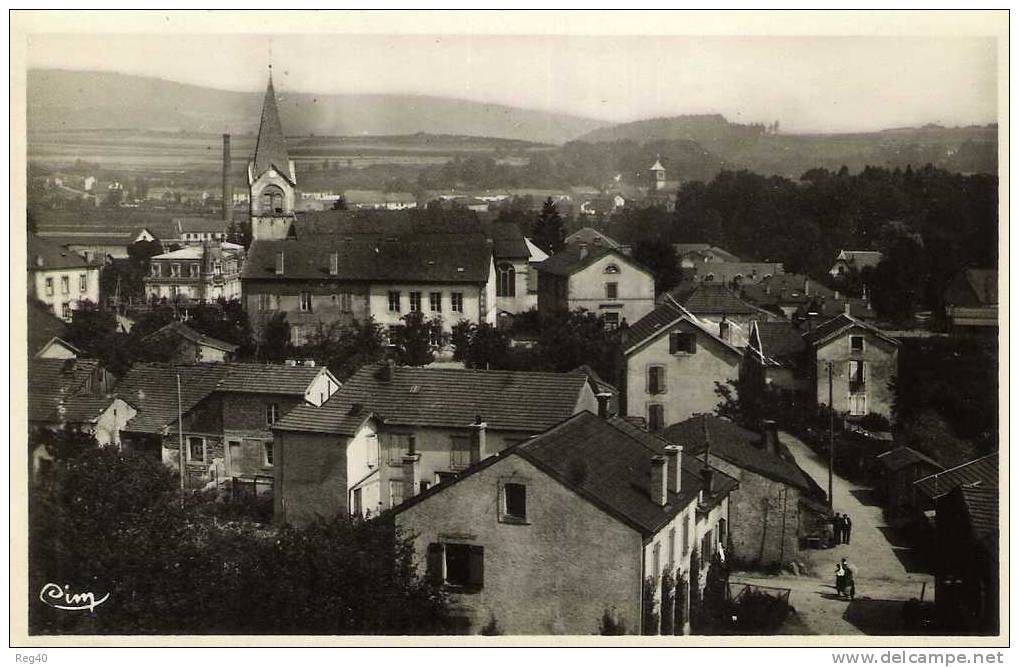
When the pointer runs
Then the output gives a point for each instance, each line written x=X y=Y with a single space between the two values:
x=724 y=330
x=603 y=403
x=709 y=480
x=659 y=495
x=279 y=263
x=674 y=464
x=411 y=471
x=847 y=309
x=479 y=436
x=386 y=370
x=583 y=251
x=334 y=263
x=769 y=436
x=228 y=190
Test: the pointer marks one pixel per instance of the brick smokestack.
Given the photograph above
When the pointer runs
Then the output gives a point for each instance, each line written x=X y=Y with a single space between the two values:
x=659 y=495
x=228 y=188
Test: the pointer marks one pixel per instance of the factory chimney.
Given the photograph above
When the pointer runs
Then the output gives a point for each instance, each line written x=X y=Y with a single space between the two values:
x=228 y=190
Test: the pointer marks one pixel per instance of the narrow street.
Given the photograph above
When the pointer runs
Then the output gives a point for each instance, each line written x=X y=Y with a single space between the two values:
x=887 y=568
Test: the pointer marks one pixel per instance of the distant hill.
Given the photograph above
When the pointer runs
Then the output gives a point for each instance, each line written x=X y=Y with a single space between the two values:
x=70 y=100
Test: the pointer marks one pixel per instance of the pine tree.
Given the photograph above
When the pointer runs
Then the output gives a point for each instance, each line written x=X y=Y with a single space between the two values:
x=549 y=234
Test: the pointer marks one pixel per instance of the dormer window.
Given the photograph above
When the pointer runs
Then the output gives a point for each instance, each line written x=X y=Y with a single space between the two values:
x=612 y=268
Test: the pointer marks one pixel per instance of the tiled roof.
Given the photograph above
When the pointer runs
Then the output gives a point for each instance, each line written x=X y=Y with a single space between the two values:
x=660 y=319
x=861 y=258
x=900 y=457
x=981 y=505
x=705 y=249
x=152 y=389
x=508 y=240
x=85 y=408
x=737 y=446
x=51 y=381
x=121 y=238
x=201 y=225
x=187 y=333
x=974 y=287
x=271 y=146
x=785 y=289
x=269 y=378
x=44 y=255
x=702 y=298
x=447 y=397
x=982 y=471
x=43 y=326
x=465 y=259
x=838 y=325
x=197 y=251
x=592 y=236
x=572 y=258
x=780 y=341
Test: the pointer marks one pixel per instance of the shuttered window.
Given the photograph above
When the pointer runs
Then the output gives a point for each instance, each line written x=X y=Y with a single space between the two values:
x=459 y=565
x=656 y=380
x=682 y=342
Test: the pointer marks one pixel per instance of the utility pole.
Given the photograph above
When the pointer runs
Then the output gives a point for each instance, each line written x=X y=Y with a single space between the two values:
x=180 y=435
x=831 y=437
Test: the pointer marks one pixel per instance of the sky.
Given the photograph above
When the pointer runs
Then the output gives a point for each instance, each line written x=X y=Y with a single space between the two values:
x=808 y=84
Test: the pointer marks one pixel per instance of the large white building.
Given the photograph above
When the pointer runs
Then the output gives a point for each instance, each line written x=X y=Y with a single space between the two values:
x=205 y=272
x=60 y=278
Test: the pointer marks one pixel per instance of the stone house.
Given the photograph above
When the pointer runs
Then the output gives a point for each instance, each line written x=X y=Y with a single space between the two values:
x=863 y=362
x=897 y=469
x=60 y=278
x=444 y=419
x=777 y=509
x=854 y=260
x=558 y=531
x=672 y=362
x=190 y=346
x=598 y=279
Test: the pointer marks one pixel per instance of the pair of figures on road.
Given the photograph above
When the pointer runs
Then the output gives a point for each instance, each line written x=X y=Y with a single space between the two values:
x=845 y=584
x=843 y=528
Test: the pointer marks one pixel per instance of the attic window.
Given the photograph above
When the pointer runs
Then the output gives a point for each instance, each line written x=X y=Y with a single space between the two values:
x=612 y=268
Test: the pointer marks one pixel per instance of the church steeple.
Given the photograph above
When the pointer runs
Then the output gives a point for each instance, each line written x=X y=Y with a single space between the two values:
x=271 y=147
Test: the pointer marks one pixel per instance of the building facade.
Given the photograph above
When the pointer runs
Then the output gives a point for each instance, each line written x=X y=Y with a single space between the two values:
x=205 y=272
x=60 y=278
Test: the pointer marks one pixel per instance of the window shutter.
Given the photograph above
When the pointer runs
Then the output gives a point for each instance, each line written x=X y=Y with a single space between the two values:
x=691 y=343
x=673 y=343
x=477 y=565
x=434 y=563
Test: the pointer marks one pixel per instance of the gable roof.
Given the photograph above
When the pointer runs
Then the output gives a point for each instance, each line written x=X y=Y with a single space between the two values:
x=900 y=457
x=52 y=381
x=43 y=326
x=445 y=397
x=738 y=446
x=779 y=342
x=85 y=408
x=187 y=333
x=592 y=236
x=604 y=464
x=706 y=298
x=216 y=225
x=44 y=255
x=508 y=241
x=785 y=289
x=411 y=258
x=661 y=320
x=981 y=506
x=572 y=258
x=860 y=258
x=982 y=471
x=973 y=287
x=271 y=145
x=706 y=250
x=270 y=378
x=839 y=325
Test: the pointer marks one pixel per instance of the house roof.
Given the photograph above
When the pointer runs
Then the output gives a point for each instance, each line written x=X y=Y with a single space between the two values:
x=836 y=326
x=271 y=145
x=706 y=250
x=981 y=506
x=780 y=341
x=860 y=258
x=974 y=287
x=445 y=397
x=411 y=258
x=738 y=446
x=187 y=333
x=186 y=225
x=269 y=378
x=605 y=464
x=785 y=289
x=152 y=389
x=196 y=251
x=45 y=255
x=43 y=326
x=89 y=238
x=701 y=298
x=52 y=381
x=660 y=320
x=573 y=258
x=85 y=408
x=508 y=241
x=900 y=457
x=982 y=472
x=592 y=236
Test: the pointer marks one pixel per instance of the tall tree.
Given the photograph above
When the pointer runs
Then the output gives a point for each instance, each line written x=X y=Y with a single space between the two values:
x=549 y=233
x=660 y=257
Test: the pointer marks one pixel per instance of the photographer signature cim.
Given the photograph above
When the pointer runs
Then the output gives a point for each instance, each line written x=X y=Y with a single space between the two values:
x=54 y=596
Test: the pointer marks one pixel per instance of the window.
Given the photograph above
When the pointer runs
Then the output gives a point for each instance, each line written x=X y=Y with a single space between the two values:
x=356 y=506
x=156 y=270
x=194 y=270
x=655 y=417
x=394 y=302
x=514 y=503
x=857 y=377
x=506 y=280
x=267 y=454
x=656 y=561
x=856 y=344
x=399 y=444
x=672 y=549
x=611 y=320
x=682 y=342
x=305 y=302
x=346 y=302
x=272 y=413
x=612 y=268
x=267 y=302
x=175 y=270
x=686 y=535
x=456 y=300
x=611 y=290
x=415 y=302
x=83 y=282
x=721 y=532
x=373 y=451
x=65 y=285
x=49 y=287
x=272 y=200
x=656 y=380
x=65 y=310
x=462 y=452
x=435 y=301
x=707 y=550
x=460 y=565
x=196 y=449
x=217 y=267
x=395 y=492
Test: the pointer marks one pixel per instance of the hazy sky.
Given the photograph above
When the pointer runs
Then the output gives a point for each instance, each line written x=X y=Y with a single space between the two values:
x=806 y=83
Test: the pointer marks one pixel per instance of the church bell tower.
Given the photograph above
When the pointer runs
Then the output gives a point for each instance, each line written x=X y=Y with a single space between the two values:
x=272 y=180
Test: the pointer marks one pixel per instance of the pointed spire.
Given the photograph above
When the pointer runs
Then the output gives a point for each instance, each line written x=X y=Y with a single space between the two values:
x=271 y=147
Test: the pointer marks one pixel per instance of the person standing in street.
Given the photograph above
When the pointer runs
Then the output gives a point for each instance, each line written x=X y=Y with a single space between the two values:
x=837 y=527
x=847 y=528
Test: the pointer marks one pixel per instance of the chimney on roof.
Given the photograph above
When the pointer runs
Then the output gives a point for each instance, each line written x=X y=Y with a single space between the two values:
x=478 y=438
x=411 y=471
x=386 y=370
x=708 y=476
x=837 y=295
x=334 y=263
x=228 y=191
x=279 y=263
x=806 y=286
x=724 y=330
x=658 y=490
x=847 y=309
x=769 y=436
x=583 y=251
x=603 y=403
x=674 y=459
